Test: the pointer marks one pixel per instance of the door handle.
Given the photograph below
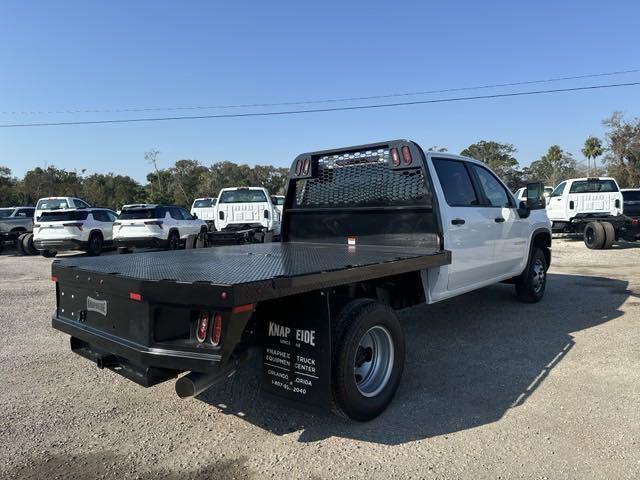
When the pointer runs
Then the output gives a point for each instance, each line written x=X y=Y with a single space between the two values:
x=498 y=219
x=457 y=221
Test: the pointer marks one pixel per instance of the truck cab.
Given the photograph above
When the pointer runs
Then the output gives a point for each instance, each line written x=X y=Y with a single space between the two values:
x=577 y=198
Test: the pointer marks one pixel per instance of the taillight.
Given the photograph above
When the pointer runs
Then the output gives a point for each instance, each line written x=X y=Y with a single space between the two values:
x=305 y=166
x=78 y=225
x=266 y=214
x=135 y=296
x=216 y=330
x=203 y=324
x=395 y=157
x=221 y=215
x=571 y=205
x=54 y=278
x=406 y=155
x=298 y=166
x=617 y=203
x=634 y=221
x=157 y=223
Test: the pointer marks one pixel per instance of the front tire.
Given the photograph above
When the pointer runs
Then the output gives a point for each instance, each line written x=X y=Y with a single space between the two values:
x=368 y=351
x=530 y=286
x=173 y=242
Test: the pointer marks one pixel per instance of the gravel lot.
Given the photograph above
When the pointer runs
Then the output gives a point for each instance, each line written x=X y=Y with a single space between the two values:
x=492 y=389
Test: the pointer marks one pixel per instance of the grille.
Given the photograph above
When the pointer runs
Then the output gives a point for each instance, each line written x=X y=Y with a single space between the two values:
x=362 y=179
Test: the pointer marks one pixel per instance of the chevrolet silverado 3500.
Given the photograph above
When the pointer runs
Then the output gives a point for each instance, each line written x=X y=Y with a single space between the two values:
x=367 y=230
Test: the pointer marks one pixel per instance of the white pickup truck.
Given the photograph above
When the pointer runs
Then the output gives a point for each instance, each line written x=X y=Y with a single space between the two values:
x=593 y=208
x=246 y=207
x=367 y=230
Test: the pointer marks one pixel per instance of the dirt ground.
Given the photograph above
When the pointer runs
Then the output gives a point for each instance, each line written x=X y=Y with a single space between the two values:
x=492 y=388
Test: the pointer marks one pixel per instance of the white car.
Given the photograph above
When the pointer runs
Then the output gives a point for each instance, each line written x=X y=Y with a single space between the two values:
x=58 y=203
x=88 y=229
x=581 y=197
x=521 y=194
x=159 y=226
x=204 y=209
x=248 y=207
x=278 y=201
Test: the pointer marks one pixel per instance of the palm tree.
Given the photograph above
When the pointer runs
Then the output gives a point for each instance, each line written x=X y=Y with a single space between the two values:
x=592 y=149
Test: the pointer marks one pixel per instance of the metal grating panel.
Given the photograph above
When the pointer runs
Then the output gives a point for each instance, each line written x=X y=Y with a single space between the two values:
x=361 y=179
x=242 y=264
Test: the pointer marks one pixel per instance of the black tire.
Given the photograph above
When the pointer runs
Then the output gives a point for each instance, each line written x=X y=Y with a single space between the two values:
x=19 y=244
x=202 y=240
x=94 y=247
x=530 y=286
x=173 y=242
x=354 y=396
x=48 y=253
x=28 y=246
x=594 y=236
x=609 y=235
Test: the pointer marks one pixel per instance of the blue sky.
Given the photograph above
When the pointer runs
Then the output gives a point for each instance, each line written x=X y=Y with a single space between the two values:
x=105 y=55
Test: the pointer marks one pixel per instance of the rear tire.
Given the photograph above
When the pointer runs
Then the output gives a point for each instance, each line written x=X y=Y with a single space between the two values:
x=594 y=236
x=368 y=351
x=173 y=242
x=609 y=235
x=95 y=244
x=28 y=245
x=530 y=286
x=19 y=244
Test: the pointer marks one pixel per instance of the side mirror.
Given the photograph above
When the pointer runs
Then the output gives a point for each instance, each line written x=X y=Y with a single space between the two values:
x=194 y=216
x=523 y=210
x=535 y=196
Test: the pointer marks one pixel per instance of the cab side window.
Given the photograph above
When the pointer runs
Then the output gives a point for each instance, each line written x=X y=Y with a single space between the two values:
x=559 y=190
x=185 y=215
x=456 y=183
x=175 y=213
x=80 y=204
x=493 y=190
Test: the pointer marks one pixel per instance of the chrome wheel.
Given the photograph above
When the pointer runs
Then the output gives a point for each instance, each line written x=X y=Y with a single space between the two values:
x=373 y=361
x=539 y=275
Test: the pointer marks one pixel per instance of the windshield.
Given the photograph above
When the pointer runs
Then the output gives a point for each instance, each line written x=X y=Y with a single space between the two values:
x=72 y=215
x=5 y=212
x=141 y=213
x=52 y=204
x=204 y=203
x=278 y=200
x=242 y=196
x=631 y=196
x=593 y=186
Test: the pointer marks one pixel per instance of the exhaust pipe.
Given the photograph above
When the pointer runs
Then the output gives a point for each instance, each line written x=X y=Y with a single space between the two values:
x=194 y=383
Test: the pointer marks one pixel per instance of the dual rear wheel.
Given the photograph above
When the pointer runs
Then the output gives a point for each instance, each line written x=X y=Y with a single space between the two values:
x=599 y=235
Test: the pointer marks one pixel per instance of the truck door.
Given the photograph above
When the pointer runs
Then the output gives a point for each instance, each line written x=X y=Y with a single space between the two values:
x=556 y=207
x=511 y=232
x=468 y=233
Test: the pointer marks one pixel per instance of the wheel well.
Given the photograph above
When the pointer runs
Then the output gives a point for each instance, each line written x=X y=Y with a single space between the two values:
x=94 y=232
x=18 y=229
x=542 y=240
x=397 y=291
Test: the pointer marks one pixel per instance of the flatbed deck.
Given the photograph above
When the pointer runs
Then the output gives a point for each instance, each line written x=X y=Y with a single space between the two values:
x=254 y=272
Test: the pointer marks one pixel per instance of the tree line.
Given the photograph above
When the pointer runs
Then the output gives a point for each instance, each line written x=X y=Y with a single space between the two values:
x=618 y=156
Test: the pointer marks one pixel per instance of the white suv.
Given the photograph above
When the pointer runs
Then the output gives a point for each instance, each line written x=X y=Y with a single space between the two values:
x=58 y=203
x=159 y=226
x=88 y=229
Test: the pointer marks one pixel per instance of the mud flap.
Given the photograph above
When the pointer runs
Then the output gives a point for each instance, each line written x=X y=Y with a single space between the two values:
x=296 y=360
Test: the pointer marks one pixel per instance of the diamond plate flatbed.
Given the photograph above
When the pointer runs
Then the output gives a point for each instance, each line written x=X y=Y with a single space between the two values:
x=247 y=273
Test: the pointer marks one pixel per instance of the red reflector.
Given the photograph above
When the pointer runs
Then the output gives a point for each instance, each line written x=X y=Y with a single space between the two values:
x=634 y=221
x=395 y=157
x=203 y=324
x=305 y=166
x=298 y=166
x=243 y=308
x=135 y=296
x=54 y=278
x=406 y=155
x=216 y=330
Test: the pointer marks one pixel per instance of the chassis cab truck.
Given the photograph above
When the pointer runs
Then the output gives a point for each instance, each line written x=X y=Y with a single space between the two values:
x=367 y=230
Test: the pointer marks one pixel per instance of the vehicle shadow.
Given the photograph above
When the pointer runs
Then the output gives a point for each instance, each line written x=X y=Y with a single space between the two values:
x=469 y=360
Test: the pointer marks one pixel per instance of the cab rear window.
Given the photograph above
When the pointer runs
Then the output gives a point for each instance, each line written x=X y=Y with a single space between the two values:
x=207 y=203
x=62 y=216
x=242 y=196
x=593 y=186
x=52 y=204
